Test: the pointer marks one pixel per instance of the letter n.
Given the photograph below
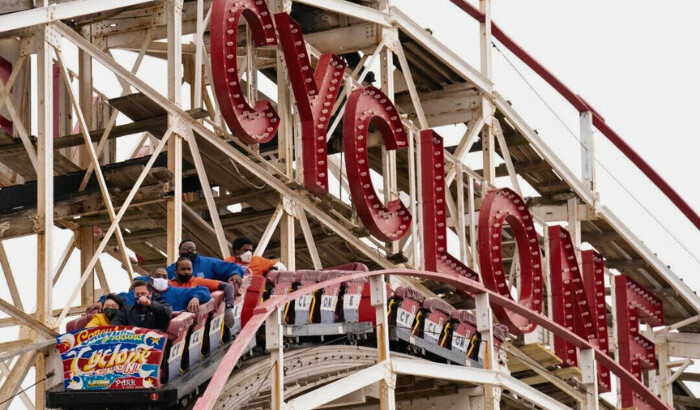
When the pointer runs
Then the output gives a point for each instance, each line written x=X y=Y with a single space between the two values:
x=578 y=304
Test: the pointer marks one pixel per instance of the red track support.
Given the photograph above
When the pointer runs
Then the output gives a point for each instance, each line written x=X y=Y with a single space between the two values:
x=582 y=106
x=217 y=383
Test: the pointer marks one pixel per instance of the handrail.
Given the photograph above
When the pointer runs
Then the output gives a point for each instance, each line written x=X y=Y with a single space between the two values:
x=582 y=106
x=262 y=312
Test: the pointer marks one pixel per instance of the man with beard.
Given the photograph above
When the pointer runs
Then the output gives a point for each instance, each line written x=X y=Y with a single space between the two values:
x=185 y=279
x=206 y=267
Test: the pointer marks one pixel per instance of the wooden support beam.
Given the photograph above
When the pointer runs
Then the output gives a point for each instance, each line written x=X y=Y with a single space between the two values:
x=26 y=319
x=67 y=252
x=206 y=189
x=686 y=401
x=626 y=263
x=14 y=380
x=23 y=396
x=10 y=278
x=95 y=161
x=600 y=236
x=15 y=348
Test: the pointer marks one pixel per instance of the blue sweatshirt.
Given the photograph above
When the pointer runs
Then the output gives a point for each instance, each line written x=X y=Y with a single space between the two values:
x=210 y=268
x=177 y=298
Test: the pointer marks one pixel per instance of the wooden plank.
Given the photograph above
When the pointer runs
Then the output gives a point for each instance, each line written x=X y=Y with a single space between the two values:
x=562 y=373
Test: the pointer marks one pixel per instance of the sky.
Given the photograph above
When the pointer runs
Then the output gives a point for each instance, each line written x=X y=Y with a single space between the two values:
x=636 y=62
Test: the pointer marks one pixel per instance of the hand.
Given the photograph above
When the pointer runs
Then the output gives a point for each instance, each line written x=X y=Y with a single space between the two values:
x=193 y=306
x=235 y=280
x=95 y=307
x=229 y=318
x=144 y=301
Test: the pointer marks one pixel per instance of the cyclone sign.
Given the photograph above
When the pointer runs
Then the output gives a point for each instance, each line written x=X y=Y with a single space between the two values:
x=111 y=357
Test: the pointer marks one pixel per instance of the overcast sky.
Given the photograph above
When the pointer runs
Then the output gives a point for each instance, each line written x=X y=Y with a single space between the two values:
x=636 y=63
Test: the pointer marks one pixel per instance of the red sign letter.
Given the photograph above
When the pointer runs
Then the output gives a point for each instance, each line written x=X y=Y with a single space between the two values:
x=390 y=222
x=432 y=160
x=636 y=353
x=577 y=304
x=500 y=206
x=251 y=125
x=315 y=93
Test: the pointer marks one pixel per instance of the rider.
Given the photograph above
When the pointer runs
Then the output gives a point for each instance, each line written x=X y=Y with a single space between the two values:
x=177 y=297
x=243 y=255
x=206 y=267
x=146 y=312
x=185 y=279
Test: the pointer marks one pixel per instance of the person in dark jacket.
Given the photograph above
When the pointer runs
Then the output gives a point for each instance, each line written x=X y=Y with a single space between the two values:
x=178 y=298
x=206 y=267
x=146 y=312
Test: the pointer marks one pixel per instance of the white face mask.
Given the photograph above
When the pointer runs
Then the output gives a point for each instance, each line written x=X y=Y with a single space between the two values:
x=246 y=256
x=160 y=284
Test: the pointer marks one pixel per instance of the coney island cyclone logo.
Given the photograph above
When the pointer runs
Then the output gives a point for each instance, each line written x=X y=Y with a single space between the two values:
x=111 y=357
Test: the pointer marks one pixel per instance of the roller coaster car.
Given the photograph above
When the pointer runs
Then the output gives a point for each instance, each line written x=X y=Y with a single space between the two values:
x=431 y=327
x=340 y=309
x=129 y=367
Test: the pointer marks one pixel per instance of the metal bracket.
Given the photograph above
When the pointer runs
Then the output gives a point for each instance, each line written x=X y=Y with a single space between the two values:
x=290 y=207
x=180 y=127
x=38 y=223
x=27 y=45
x=51 y=36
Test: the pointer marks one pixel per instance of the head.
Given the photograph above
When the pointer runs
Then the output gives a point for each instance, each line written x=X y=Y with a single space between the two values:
x=140 y=288
x=112 y=305
x=188 y=249
x=183 y=269
x=159 y=279
x=243 y=248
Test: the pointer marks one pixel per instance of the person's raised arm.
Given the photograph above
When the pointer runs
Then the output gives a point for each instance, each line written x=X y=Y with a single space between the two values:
x=223 y=271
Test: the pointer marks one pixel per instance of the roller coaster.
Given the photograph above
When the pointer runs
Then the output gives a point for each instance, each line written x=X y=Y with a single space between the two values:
x=415 y=276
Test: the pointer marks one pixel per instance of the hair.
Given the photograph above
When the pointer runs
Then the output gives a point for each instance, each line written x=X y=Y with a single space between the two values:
x=114 y=297
x=239 y=242
x=180 y=259
x=138 y=283
x=153 y=271
x=183 y=242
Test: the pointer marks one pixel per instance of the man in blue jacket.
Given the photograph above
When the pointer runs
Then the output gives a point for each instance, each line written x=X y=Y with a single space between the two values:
x=206 y=267
x=178 y=298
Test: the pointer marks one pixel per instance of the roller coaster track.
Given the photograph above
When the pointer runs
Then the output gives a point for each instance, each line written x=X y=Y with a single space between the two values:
x=267 y=308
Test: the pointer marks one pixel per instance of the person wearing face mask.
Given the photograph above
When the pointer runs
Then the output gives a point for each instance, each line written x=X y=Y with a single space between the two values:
x=110 y=307
x=243 y=255
x=146 y=312
x=206 y=267
x=185 y=279
x=178 y=298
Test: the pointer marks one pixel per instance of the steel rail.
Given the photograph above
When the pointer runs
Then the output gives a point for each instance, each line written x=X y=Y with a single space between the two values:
x=262 y=312
x=582 y=106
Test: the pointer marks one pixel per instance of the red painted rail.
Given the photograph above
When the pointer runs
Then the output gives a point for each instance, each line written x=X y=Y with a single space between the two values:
x=262 y=312
x=582 y=106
